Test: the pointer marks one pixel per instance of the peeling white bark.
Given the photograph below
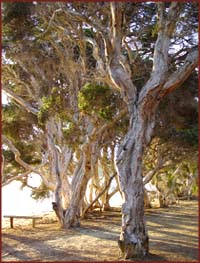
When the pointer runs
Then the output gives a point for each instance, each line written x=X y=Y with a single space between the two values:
x=142 y=107
x=79 y=183
x=60 y=158
x=134 y=237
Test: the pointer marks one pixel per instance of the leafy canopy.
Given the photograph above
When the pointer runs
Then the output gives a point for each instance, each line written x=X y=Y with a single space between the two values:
x=99 y=100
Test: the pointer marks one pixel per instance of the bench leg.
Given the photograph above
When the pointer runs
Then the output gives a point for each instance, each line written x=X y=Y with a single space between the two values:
x=33 y=222
x=11 y=222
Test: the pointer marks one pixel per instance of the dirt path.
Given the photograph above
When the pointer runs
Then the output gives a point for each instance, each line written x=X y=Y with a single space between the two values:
x=173 y=237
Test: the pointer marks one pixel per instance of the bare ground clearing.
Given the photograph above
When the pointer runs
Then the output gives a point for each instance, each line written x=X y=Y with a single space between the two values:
x=173 y=235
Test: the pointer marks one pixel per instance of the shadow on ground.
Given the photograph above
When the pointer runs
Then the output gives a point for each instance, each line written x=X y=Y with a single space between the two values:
x=173 y=237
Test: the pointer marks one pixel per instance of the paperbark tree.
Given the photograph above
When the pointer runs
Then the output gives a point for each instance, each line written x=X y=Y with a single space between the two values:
x=116 y=37
x=60 y=131
x=108 y=46
x=134 y=237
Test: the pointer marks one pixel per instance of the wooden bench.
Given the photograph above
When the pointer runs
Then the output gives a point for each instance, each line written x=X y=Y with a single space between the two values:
x=34 y=218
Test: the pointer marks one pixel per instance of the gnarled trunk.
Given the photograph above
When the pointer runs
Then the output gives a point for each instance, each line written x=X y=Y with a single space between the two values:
x=133 y=240
x=79 y=184
x=59 y=159
x=82 y=175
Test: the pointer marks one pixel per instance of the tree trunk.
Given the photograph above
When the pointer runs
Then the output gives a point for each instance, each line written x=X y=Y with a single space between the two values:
x=72 y=214
x=106 y=204
x=147 y=203
x=79 y=184
x=133 y=240
x=99 y=195
x=59 y=159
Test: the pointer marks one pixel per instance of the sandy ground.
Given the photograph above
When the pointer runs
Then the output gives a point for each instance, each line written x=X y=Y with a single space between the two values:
x=173 y=236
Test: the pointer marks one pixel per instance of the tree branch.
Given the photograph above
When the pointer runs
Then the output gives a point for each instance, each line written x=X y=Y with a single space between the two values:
x=158 y=77
x=7 y=181
x=179 y=76
x=129 y=50
x=111 y=123
x=50 y=22
x=20 y=101
x=151 y=174
x=116 y=26
x=100 y=194
x=171 y=19
x=24 y=164
x=96 y=54
x=113 y=192
x=16 y=153
x=81 y=18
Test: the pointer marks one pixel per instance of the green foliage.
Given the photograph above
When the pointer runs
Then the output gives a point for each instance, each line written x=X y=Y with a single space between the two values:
x=98 y=100
x=18 y=127
x=17 y=20
x=89 y=32
x=17 y=123
x=28 y=152
x=72 y=133
x=187 y=137
x=68 y=128
x=178 y=115
x=154 y=30
x=10 y=112
x=47 y=105
x=41 y=192
x=149 y=35
x=11 y=167
x=8 y=155
x=195 y=189
x=170 y=180
x=15 y=10
x=52 y=105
